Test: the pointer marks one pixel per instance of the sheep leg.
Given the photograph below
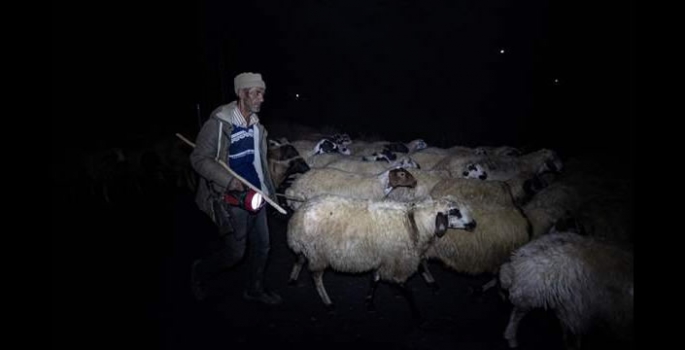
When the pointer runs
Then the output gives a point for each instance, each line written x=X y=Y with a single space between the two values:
x=427 y=276
x=318 y=282
x=478 y=292
x=297 y=267
x=409 y=296
x=372 y=291
x=503 y=294
x=489 y=284
x=510 y=333
x=571 y=341
x=105 y=194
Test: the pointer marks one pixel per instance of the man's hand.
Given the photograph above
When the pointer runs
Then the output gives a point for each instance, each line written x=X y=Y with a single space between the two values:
x=235 y=185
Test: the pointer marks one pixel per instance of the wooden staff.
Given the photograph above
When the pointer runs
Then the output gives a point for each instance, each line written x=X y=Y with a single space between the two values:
x=240 y=178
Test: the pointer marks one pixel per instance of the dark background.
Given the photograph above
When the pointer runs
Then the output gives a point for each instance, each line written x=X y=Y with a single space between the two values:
x=127 y=73
x=402 y=69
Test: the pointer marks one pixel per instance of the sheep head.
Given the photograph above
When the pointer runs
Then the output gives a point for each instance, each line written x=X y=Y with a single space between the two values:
x=342 y=139
x=282 y=152
x=329 y=146
x=441 y=223
x=400 y=177
x=460 y=218
x=383 y=156
x=549 y=160
x=417 y=145
x=453 y=216
x=325 y=146
x=474 y=171
x=282 y=169
x=406 y=162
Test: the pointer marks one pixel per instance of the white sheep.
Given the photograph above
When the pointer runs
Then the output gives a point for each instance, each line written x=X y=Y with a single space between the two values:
x=499 y=151
x=595 y=193
x=463 y=150
x=586 y=282
x=365 y=148
x=557 y=201
x=323 y=159
x=503 y=168
x=425 y=181
x=605 y=216
x=502 y=228
x=473 y=191
x=434 y=150
x=525 y=186
x=429 y=157
x=357 y=147
x=354 y=165
x=341 y=139
x=355 y=236
x=457 y=160
x=338 y=182
x=500 y=168
x=609 y=217
x=598 y=200
x=307 y=148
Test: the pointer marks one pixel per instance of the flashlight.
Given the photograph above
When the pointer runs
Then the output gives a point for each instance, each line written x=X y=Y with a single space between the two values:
x=248 y=200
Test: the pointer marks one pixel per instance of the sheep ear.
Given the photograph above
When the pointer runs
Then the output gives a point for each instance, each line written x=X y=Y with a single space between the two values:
x=440 y=224
x=549 y=163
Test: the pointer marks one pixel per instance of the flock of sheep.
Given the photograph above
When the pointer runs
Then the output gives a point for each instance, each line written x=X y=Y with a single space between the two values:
x=552 y=235
x=388 y=208
x=114 y=174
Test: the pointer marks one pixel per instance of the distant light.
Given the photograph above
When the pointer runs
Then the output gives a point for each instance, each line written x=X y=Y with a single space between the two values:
x=501 y=51
x=556 y=81
x=297 y=95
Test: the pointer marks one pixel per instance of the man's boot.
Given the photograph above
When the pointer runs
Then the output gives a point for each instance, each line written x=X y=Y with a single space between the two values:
x=256 y=292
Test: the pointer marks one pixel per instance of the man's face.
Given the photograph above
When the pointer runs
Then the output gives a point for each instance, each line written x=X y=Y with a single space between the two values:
x=253 y=98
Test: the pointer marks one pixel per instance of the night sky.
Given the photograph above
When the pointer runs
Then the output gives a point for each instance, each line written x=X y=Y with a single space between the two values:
x=556 y=74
